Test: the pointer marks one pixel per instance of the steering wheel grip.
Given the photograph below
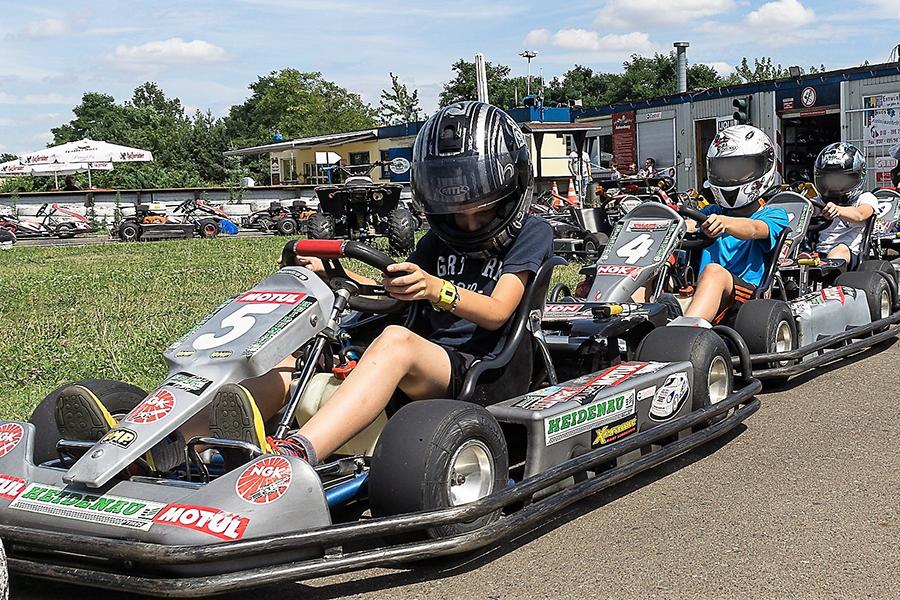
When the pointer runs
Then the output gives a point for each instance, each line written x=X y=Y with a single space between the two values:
x=692 y=213
x=702 y=240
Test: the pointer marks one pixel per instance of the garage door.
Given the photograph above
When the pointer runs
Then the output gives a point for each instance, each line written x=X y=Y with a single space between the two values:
x=657 y=139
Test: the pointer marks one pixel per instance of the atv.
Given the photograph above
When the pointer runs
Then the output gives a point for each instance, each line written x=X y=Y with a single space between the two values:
x=278 y=219
x=360 y=209
x=439 y=477
x=155 y=221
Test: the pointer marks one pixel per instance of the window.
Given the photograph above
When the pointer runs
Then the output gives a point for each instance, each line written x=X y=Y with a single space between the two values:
x=314 y=174
x=385 y=157
x=359 y=158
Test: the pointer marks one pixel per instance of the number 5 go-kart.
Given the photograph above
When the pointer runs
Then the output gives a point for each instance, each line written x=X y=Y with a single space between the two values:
x=438 y=476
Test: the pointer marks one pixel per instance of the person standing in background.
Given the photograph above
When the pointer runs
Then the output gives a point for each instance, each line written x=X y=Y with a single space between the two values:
x=582 y=178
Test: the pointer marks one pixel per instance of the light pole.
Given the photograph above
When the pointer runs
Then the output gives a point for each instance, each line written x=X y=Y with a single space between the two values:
x=528 y=55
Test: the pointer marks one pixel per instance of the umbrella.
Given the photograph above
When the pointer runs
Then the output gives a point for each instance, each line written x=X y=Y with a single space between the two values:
x=88 y=152
x=16 y=167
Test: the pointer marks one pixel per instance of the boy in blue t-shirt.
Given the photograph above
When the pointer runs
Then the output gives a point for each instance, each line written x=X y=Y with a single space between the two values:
x=741 y=166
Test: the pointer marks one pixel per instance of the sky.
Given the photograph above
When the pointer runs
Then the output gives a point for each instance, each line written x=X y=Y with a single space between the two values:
x=206 y=52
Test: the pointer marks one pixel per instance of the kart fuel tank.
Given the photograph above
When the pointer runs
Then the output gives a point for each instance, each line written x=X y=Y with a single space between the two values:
x=828 y=312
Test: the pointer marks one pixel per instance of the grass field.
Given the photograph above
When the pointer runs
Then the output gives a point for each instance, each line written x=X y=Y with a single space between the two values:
x=108 y=311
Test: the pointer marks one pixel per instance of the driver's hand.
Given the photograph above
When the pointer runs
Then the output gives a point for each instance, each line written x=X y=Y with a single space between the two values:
x=714 y=225
x=830 y=211
x=408 y=281
x=312 y=263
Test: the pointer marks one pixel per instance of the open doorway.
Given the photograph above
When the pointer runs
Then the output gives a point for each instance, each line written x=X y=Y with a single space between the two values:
x=704 y=132
x=804 y=138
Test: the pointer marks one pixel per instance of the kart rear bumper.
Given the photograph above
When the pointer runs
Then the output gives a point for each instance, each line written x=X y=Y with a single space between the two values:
x=135 y=566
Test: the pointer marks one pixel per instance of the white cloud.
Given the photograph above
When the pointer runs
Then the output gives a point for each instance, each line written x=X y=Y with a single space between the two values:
x=172 y=50
x=33 y=99
x=536 y=37
x=629 y=14
x=42 y=138
x=47 y=28
x=782 y=14
x=722 y=68
x=582 y=39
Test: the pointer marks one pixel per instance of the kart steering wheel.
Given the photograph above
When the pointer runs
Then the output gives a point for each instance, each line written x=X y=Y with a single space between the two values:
x=817 y=222
x=332 y=250
x=699 y=237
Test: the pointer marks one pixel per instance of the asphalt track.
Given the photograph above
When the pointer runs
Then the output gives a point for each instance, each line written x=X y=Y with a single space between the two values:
x=801 y=502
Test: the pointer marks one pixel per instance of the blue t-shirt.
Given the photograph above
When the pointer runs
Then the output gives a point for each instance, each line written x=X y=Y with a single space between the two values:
x=525 y=254
x=745 y=258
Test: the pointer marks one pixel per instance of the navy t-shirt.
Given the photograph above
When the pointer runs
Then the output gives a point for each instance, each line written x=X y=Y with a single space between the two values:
x=528 y=251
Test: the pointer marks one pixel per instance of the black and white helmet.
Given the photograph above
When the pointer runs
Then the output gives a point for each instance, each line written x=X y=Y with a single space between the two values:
x=740 y=165
x=472 y=155
x=840 y=172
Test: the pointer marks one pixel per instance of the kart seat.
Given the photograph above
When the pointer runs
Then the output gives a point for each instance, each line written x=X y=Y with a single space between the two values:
x=772 y=265
x=511 y=372
x=589 y=219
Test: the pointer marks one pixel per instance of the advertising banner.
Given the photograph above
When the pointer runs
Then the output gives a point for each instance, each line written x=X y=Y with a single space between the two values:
x=624 y=140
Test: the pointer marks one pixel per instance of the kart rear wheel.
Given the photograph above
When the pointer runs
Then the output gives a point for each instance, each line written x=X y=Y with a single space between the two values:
x=768 y=326
x=882 y=266
x=559 y=292
x=593 y=244
x=707 y=353
x=286 y=226
x=436 y=454
x=118 y=398
x=320 y=227
x=878 y=293
x=65 y=231
x=208 y=228
x=401 y=231
x=129 y=231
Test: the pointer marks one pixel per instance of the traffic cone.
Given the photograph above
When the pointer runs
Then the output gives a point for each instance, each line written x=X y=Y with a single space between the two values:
x=555 y=197
x=571 y=196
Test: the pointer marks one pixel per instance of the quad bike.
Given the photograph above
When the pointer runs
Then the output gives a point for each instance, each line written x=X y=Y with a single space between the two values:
x=360 y=209
x=154 y=222
x=51 y=220
x=439 y=476
x=278 y=219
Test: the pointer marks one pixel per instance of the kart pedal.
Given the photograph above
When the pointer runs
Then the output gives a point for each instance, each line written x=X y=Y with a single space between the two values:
x=81 y=416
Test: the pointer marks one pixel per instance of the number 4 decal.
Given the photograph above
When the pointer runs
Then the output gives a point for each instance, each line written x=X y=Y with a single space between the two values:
x=240 y=322
x=636 y=249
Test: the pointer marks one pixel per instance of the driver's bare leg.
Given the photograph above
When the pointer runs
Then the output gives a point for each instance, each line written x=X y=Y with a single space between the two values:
x=398 y=358
x=713 y=290
x=840 y=251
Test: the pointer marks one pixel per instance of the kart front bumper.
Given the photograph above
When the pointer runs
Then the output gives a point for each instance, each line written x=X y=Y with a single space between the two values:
x=135 y=567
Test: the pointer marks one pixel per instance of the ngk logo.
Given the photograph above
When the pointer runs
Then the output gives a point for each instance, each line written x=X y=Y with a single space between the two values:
x=10 y=436
x=616 y=270
x=271 y=297
x=11 y=487
x=265 y=481
x=152 y=408
x=211 y=521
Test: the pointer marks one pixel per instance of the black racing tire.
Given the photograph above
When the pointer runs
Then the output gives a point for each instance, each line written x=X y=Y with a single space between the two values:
x=118 y=398
x=559 y=291
x=593 y=246
x=883 y=266
x=4 y=574
x=413 y=462
x=768 y=326
x=320 y=227
x=401 y=232
x=129 y=231
x=208 y=228
x=713 y=376
x=65 y=231
x=286 y=226
x=878 y=292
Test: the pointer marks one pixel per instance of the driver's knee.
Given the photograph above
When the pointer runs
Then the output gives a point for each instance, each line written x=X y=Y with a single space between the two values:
x=840 y=251
x=395 y=339
x=714 y=275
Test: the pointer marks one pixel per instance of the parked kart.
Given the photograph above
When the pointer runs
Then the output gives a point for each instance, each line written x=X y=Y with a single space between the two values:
x=439 y=477
x=360 y=209
x=578 y=233
x=279 y=219
x=51 y=220
x=7 y=237
x=886 y=231
x=154 y=221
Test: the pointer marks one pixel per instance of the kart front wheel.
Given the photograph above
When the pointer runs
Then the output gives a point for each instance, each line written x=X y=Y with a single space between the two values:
x=129 y=231
x=436 y=454
x=878 y=292
x=118 y=398
x=208 y=228
x=286 y=226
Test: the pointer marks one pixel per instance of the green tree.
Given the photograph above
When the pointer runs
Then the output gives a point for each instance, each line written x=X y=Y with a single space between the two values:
x=651 y=77
x=398 y=105
x=764 y=70
x=502 y=88
x=580 y=82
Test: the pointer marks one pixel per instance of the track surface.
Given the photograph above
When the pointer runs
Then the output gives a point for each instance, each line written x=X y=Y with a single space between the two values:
x=800 y=503
x=89 y=240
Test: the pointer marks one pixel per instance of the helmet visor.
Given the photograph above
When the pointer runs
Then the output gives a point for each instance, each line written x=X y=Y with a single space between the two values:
x=834 y=184
x=450 y=185
x=733 y=171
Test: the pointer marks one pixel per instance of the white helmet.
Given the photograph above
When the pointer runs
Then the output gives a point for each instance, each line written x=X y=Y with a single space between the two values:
x=740 y=165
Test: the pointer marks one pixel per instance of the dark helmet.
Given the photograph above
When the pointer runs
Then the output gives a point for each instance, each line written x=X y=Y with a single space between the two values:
x=472 y=155
x=840 y=171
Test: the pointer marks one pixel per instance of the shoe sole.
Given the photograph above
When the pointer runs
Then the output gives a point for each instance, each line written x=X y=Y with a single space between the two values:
x=81 y=416
x=233 y=417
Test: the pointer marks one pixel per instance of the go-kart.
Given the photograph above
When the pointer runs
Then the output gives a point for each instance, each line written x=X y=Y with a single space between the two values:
x=886 y=233
x=439 y=476
x=280 y=219
x=156 y=221
x=50 y=220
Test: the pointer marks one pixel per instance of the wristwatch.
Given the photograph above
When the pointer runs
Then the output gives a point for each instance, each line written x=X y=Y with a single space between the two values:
x=448 y=298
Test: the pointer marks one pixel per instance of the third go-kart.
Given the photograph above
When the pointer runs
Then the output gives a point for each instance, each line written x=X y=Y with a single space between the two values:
x=439 y=476
x=886 y=232
x=50 y=220
x=156 y=221
x=279 y=219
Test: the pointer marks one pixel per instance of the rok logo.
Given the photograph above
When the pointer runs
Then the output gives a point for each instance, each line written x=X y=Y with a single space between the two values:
x=255 y=297
x=10 y=436
x=188 y=382
x=580 y=420
x=120 y=437
x=614 y=432
x=211 y=521
x=152 y=409
x=834 y=293
x=265 y=481
x=11 y=487
x=114 y=511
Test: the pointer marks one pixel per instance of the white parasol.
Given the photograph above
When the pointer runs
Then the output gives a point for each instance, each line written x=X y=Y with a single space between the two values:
x=87 y=152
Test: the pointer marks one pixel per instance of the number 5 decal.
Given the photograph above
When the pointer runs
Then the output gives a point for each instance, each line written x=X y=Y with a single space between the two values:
x=240 y=322
x=636 y=249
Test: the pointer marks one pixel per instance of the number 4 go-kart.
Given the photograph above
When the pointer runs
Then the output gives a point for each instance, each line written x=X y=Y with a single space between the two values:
x=439 y=476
